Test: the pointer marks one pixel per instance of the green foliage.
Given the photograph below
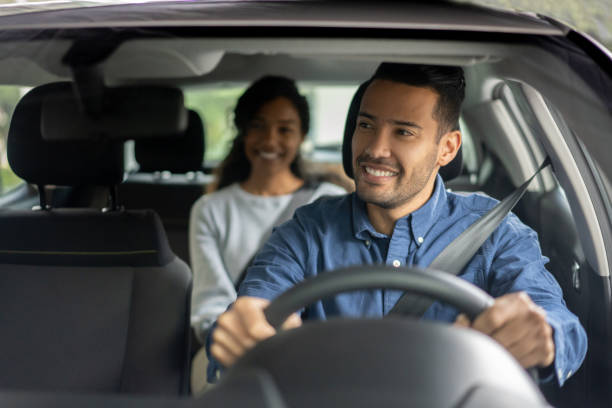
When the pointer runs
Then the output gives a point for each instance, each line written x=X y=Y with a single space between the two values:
x=215 y=107
x=9 y=95
x=8 y=180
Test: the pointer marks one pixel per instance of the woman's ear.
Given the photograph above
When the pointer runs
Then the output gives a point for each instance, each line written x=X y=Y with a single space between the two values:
x=448 y=147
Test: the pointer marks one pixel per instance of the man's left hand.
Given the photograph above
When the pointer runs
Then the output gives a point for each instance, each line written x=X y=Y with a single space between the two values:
x=520 y=326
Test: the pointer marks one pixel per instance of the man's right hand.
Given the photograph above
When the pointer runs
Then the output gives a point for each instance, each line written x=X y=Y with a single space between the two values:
x=241 y=327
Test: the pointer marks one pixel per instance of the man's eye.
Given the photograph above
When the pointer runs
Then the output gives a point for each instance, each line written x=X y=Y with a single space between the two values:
x=405 y=132
x=364 y=125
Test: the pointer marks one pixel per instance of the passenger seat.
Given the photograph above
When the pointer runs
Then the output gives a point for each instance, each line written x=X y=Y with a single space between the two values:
x=169 y=180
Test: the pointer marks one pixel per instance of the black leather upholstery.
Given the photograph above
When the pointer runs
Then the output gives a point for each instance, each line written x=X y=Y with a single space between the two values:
x=91 y=301
x=448 y=172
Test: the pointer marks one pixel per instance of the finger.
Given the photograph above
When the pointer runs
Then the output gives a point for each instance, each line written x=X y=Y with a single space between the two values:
x=228 y=342
x=505 y=309
x=537 y=349
x=537 y=358
x=292 y=322
x=512 y=333
x=231 y=323
x=222 y=355
x=462 y=321
x=253 y=319
x=528 y=327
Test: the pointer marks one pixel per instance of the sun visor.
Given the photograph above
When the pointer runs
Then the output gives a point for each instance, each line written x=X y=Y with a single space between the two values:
x=134 y=112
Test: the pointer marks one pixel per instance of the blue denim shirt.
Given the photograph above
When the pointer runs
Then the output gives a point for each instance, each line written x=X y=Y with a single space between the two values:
x=335 y=232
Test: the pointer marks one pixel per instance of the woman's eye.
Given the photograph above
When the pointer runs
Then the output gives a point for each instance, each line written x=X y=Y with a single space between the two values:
x=364 y=125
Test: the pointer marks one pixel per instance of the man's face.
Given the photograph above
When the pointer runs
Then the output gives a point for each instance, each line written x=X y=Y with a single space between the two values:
x=395 y=148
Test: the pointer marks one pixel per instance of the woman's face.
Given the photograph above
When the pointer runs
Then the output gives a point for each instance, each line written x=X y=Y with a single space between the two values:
x=273 y=136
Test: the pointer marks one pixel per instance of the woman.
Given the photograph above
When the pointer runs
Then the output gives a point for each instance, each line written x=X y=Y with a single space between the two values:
x=260 y=183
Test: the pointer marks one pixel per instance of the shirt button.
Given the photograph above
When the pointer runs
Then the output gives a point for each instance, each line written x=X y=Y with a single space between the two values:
x=367 y=243
x=420 y=240
x=397 y=263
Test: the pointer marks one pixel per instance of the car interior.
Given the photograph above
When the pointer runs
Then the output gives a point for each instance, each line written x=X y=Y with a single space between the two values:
x=95 y=279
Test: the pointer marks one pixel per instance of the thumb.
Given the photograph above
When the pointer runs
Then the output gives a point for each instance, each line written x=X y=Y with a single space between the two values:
x=292 y=322
x=462 y=321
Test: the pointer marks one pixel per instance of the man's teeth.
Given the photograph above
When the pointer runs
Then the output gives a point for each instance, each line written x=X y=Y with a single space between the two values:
x=379 y=173
x=268 y=155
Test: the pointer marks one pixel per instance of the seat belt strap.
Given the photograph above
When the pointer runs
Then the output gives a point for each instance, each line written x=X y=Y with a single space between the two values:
x=462 y=249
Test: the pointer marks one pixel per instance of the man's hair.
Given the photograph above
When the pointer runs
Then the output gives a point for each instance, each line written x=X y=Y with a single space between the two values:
x=447 y=82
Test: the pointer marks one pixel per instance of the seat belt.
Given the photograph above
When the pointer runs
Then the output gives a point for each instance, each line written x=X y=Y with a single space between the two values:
x=460 y=251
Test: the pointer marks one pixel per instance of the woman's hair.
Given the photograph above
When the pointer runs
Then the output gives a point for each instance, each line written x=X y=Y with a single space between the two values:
x=236 y=167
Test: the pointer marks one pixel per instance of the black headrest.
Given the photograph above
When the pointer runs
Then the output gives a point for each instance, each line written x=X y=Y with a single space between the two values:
x=448 y=172
x=177 y=154
x=69 y=163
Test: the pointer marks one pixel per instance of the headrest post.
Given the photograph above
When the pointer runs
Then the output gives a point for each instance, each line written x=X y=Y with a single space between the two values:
x=42 y=196
x=113 y=203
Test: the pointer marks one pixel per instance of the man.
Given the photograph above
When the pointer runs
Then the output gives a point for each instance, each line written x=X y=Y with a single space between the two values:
x=407 y=128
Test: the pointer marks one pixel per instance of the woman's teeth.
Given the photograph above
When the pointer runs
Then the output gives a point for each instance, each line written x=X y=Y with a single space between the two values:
x=268 y=155
x=379 y=173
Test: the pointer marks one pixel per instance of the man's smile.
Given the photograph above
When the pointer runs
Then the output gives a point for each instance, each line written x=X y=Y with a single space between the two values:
x=378 y=172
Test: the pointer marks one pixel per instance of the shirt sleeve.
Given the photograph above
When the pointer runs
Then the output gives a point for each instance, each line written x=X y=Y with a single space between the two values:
x=518 y=265
x=213 y=290
x=279 y=265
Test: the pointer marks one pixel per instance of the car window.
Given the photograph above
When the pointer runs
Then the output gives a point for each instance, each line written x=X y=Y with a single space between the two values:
x=328 y=108
x=9 y=96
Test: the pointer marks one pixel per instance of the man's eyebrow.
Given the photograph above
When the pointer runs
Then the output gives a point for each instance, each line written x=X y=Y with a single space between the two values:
x=393 y=121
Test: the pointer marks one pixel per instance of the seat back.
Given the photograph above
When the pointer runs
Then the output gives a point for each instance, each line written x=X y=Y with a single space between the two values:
x=169 y=180
x=91 y=300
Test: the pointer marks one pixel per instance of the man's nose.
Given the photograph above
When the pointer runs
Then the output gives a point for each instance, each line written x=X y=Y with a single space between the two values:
x=380 y=144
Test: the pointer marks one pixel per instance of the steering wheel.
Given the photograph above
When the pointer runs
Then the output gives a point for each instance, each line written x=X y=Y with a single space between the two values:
x=464 y=296
x=388 y=362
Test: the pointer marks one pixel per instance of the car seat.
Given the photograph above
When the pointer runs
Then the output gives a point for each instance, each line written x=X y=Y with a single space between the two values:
x=92 y=300
x=169 y=180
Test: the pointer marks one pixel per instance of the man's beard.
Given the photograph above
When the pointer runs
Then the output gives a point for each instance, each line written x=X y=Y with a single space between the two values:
x=403 y=190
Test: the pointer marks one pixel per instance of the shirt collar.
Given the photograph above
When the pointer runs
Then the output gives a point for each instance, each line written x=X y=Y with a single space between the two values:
x=421 y=220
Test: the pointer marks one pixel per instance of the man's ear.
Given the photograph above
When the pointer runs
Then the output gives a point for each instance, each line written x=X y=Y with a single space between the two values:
x=448 y=147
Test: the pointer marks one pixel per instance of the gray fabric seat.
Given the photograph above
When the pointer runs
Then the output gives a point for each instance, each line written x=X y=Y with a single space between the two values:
x=169 y=180
x=91 y=300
